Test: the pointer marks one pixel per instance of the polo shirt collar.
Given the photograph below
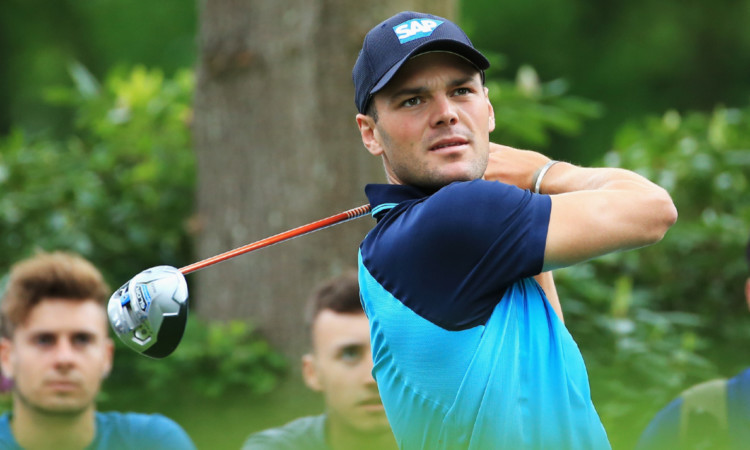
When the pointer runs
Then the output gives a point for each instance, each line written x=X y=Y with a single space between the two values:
x=383 y=197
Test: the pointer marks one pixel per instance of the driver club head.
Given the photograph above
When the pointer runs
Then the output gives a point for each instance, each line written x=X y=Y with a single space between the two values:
x=149 y=312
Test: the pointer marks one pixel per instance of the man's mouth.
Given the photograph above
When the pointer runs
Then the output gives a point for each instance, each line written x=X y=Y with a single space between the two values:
x=371 y=403
x=448 y=144
x=62 y=385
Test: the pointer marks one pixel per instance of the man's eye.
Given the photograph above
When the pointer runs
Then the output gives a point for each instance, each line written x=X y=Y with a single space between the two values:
x=82 y=339
x=351 y=354
x=463 y=91
x=44 y=340
x=414 y=101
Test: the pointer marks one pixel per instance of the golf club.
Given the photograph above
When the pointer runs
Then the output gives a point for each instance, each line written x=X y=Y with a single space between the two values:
x=149 y=312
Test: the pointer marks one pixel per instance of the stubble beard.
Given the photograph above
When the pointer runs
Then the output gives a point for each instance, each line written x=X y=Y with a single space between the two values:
x=71 y=410
x=430 y=177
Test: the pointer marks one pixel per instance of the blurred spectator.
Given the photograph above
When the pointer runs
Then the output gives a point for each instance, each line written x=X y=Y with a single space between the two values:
x=56 y=349
x=340 y=367
x=710 y=415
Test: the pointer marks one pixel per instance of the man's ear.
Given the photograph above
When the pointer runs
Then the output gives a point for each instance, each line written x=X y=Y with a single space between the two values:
x=6 y=347
x=747 y=292
x=109 y=355
x=368 y=132
x=310 y=373
x=492 y=110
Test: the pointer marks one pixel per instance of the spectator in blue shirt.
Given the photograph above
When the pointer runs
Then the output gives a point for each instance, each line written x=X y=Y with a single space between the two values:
x=714 y=414
x=56 y=349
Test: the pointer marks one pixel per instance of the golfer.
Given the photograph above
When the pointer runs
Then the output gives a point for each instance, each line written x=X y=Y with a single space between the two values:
x=467 y=350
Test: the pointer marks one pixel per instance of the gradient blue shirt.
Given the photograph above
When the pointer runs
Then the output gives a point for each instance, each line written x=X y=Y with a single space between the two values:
x=667 y=429
x=121 y=431
x=467 y=351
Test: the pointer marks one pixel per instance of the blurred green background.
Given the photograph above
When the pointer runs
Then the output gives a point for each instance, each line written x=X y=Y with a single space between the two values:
x=105 y=87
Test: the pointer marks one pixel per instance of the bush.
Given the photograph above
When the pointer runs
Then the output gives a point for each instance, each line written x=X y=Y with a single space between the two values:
x=119 y=190
x=529 y=113
x=213 y=359
x=654 y=321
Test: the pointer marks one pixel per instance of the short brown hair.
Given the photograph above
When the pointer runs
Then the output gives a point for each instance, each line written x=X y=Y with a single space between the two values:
x=58 y=274
x=339 y=294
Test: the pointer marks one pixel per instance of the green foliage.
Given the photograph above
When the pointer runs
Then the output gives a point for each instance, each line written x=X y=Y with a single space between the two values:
x=654 y=321
x=119 y=189
x=704 y=161
x=529 y=113
x=213 y=359
x=637 y=57
x=37 y=39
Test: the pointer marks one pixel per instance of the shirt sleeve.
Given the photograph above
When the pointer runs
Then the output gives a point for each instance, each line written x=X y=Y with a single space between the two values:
x=738 y=404
x=664 y=429
x=451 y=256
x=160 y=432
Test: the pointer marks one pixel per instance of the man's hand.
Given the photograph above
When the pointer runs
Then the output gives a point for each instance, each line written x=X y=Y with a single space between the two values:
x=512 y=166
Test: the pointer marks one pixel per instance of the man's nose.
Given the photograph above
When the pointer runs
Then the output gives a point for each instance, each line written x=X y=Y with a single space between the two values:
x=444 y=111
x=65 y=353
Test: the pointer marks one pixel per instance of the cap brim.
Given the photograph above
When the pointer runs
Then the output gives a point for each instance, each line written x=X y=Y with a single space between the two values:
x=445 y=45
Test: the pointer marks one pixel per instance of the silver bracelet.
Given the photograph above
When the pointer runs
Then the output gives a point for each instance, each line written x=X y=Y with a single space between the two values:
x=542 y=173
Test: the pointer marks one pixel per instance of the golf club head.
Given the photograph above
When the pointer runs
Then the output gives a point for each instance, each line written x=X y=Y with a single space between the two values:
x=149 y=312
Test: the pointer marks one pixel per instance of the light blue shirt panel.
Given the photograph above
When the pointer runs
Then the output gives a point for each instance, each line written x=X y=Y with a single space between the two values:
x=418 y=365
x=517 y=381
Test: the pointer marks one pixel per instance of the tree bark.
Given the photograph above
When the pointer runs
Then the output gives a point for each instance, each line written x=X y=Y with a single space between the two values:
x=278 y=147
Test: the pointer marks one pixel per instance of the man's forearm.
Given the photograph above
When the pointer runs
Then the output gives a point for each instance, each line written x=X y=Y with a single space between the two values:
x=618 y=209
x=563 y=177
x=521 y=168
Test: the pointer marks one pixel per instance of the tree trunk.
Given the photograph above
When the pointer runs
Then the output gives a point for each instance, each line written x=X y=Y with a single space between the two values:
x=277 y=148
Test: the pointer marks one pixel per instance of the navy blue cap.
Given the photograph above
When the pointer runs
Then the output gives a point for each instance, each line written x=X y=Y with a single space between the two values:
x=391 y=43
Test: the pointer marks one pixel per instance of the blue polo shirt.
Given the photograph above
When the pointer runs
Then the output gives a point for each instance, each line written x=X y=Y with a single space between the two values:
x=120 y=431
x=676 y=426
x=467 y=351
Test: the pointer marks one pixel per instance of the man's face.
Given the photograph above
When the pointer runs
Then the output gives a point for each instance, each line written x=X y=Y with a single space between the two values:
x=341 y=368
x=434 y=120
x=59 y=356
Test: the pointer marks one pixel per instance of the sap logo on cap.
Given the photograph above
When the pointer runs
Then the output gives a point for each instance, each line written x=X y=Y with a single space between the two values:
x=415 y=29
